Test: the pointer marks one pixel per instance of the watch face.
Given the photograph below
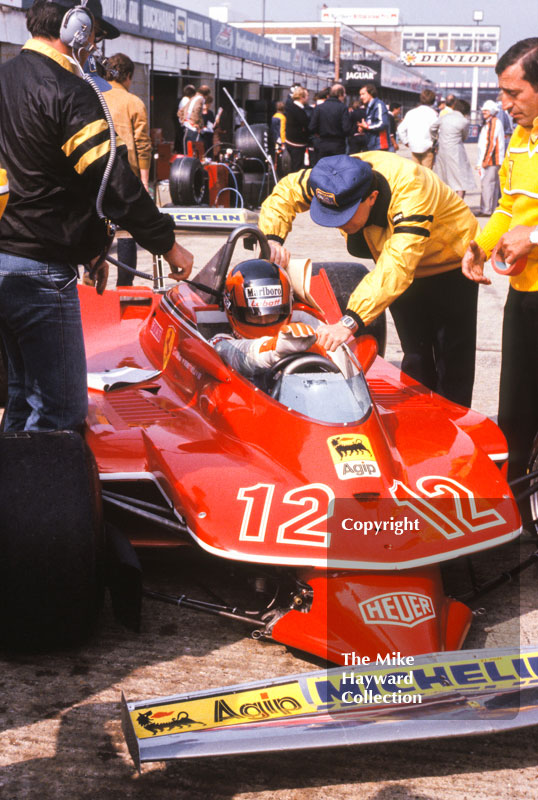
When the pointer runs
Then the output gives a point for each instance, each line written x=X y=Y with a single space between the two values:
x=349 y=322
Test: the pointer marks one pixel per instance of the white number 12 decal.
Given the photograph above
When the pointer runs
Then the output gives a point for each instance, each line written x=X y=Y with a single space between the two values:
x=316 y=496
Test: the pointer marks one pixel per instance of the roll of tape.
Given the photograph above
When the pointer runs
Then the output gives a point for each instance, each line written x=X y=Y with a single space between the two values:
x=502 y=268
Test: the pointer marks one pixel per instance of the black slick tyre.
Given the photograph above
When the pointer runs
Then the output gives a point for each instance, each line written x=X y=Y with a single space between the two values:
x=248 y=145
x=51 y=540
x=3 y=376
x=187 y=181
x=344 y=278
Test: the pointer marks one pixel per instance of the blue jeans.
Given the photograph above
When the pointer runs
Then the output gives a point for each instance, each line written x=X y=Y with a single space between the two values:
x=41 y=330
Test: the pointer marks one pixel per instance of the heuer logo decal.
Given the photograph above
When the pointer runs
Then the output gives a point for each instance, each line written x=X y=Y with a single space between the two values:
x=353 y=456
x=405 y=609
x=148 y=721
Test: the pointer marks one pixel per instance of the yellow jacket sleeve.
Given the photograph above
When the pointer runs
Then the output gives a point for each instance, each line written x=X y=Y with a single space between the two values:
x=4 y=190
x=291 y=196
x=501 y=217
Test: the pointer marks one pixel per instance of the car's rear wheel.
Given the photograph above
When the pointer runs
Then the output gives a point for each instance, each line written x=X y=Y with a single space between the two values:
x=533 y=499
x=344 y=278
x=3 y=377
x=51 y=540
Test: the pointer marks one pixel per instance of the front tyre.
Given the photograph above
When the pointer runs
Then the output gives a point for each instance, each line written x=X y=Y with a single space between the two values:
x=51 y=540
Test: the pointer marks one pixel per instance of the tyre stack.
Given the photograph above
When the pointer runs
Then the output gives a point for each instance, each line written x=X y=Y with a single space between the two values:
x=256 y=180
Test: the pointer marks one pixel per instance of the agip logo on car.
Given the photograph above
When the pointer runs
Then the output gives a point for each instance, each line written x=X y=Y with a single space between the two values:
x=353 y=456
x=406 y=609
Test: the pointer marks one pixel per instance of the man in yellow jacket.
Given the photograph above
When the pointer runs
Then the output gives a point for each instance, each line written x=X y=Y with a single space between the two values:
x=513 y=231
x=416 y=229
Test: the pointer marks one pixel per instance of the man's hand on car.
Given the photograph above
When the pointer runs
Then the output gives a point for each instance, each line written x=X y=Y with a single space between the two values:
x=279 y=254
x=332 y=336
x=180 y=260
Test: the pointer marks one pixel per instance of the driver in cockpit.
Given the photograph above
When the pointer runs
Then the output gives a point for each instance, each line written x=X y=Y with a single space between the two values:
x=258 y=301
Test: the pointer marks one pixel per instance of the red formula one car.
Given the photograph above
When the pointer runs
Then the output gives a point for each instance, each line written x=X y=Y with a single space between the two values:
x=338 y=483
x=343 y=484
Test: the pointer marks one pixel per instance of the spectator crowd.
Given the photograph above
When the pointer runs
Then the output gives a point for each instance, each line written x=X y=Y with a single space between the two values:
x=434 y=131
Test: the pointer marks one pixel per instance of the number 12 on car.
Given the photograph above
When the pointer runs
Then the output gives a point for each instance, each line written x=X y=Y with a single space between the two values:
x=306 y=528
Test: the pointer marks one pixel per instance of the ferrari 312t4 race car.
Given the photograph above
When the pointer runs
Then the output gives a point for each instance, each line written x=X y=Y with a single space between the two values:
x=340 y=483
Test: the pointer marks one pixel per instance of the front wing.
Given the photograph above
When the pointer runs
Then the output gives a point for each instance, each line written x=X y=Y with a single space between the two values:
x=436 y=695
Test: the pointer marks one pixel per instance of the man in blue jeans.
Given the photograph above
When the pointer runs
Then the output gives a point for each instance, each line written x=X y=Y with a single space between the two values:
x=55 y=146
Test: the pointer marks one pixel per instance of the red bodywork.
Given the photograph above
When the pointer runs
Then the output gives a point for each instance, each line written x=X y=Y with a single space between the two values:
x=259 y=483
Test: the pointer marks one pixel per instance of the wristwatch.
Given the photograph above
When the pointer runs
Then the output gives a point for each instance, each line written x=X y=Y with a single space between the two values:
x=533 y=237
x=350 y=323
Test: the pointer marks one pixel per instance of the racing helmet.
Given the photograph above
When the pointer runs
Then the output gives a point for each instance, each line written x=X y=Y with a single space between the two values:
x=258 y=298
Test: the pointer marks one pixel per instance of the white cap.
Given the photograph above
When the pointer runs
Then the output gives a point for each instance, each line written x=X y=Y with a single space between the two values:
x=491 y=106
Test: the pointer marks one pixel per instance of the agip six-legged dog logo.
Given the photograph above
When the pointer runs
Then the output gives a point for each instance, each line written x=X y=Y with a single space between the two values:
x=353 y=456
x=148 y=721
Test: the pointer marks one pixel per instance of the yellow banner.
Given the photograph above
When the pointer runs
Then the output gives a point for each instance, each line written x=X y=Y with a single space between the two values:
x=343 y=689
x=232 y=708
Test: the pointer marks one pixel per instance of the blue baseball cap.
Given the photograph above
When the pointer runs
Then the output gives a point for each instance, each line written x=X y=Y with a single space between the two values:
x=340 y=184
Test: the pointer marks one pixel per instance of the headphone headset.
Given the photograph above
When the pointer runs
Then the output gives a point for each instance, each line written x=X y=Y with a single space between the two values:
x=77 y=26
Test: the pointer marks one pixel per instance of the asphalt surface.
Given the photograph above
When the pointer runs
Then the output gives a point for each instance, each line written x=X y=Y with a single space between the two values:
x=60 y=734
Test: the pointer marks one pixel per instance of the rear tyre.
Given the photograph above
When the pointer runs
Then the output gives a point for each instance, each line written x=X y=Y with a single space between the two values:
x=51 y=540
x=187 y=181
x=3 y=377
x=246 y=143
x=344 y=278
x=529 y=508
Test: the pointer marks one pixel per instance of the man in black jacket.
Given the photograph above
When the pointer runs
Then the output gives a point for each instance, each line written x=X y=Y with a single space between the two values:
x=331 y=124
x=297 y=128
x=55 y=145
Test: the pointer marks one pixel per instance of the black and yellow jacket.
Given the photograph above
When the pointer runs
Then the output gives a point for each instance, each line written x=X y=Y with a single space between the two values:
x=54 y=144
x=416 y=228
